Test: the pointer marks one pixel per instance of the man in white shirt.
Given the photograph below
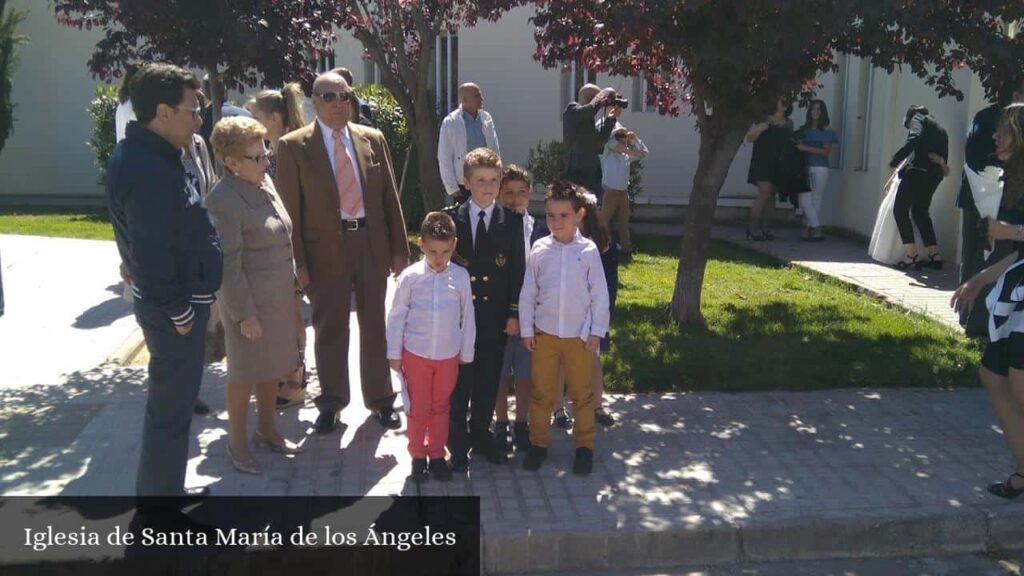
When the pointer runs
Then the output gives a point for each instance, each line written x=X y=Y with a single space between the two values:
x=467 y=128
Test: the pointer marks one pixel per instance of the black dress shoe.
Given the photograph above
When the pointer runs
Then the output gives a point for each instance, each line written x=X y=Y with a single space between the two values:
x=460 y=464
x=522 y=436
x=200 y=408
x=501 y=437
x=388 y=418
x=326 y=422
x=439 y=470
x=584 y=463
x=419 y=470
x=534 y=458
x=487 y=448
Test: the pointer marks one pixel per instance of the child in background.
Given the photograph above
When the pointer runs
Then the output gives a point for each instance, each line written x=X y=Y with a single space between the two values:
x=516 y=188
x=431 y=329
x=564 y=311
x=591 y=227
x=623 y=148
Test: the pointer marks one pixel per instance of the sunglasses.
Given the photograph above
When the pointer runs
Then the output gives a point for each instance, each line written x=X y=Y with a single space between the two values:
x=329 y=97
x=195 y=111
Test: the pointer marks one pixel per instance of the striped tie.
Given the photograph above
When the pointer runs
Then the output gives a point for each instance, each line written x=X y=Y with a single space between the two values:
x=345 y=176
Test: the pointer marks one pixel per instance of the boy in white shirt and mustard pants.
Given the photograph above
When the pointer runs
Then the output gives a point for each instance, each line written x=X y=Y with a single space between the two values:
x=563 y=314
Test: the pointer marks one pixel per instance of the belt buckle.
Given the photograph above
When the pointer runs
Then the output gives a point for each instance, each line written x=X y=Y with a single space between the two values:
x=350 y=225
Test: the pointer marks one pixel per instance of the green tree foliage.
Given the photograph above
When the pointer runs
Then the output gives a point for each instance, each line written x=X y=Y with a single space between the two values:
x=547 y=161
x=390 y=120
x=103 y=139
x=9 y=42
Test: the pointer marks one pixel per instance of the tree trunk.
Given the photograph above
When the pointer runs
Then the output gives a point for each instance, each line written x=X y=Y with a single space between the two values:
x=216 y=94
x=425 y=133
x=718 y=146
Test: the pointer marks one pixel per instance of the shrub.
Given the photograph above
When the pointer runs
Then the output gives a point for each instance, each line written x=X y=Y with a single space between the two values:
x=101 y=109
x=548 y=161
x=9 y=41
x=390 y=120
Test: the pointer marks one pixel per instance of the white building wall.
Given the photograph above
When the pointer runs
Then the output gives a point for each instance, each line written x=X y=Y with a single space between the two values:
x=47 y=154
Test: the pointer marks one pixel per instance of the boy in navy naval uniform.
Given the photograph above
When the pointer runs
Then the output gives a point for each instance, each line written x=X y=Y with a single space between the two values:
x=172 y=254
x=491 y=247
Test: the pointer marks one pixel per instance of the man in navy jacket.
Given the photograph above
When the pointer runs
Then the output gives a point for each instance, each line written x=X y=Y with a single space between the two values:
x=172 y=254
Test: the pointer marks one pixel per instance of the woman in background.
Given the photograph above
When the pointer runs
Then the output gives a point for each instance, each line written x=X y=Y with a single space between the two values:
x=815 y=141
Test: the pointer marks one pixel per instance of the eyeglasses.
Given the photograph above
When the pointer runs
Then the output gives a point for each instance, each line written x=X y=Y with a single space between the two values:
x=261 y=157
x=195 y=111
x=329 y=97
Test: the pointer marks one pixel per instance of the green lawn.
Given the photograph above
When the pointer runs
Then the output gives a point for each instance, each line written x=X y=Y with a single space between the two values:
x=771 y=326
x=94 y=225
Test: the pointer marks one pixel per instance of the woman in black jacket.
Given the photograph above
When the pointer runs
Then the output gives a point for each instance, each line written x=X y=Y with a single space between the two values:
x=925 y=152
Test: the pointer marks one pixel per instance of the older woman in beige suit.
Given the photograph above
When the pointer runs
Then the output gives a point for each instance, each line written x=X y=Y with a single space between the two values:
x=258 y=293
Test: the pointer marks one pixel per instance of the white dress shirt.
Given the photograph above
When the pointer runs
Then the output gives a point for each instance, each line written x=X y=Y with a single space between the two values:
x=474 y=217
x=528 y=222
x=346 y=138
x=564 y=293
x=122 y=116
x=432 y=314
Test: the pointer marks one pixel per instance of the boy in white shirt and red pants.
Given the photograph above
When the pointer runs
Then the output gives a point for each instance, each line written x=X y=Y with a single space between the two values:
x=433 y=299
x=563 y=314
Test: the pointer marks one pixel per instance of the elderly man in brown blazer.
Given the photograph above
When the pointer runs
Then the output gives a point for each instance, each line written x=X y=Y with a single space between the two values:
x=338 y=186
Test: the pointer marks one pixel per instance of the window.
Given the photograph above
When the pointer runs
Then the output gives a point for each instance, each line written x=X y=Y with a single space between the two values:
x=573 y=78
x=325 y=63
x=371 y=72
x=638 y=99
x=446 y=73
x=859 y=134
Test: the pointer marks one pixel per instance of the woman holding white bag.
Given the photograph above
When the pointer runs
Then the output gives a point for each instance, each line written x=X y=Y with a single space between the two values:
x=1002 y=365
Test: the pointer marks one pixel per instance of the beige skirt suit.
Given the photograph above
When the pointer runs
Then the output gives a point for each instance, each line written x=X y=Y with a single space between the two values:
x=259 y=278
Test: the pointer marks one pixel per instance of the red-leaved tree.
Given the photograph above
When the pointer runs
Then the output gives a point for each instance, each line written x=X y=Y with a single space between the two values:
x=234 y=41
x=400 y=37
x=727 y=62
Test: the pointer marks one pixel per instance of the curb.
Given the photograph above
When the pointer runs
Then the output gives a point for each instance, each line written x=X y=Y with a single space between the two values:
x=129 y=349
x=770 y=537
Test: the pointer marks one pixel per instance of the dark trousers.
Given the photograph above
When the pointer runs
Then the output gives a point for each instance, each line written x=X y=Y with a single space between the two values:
x=972 y=256
x=175 y=373
x=475 y=394
x=913 y=198
x=589 y=179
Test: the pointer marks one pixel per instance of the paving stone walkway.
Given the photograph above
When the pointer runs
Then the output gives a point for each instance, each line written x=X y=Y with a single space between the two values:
x=683 y=479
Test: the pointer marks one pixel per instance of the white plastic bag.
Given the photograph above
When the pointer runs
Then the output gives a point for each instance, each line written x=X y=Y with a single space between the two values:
x=399 y=384
x=987 y=190
x=886 y=246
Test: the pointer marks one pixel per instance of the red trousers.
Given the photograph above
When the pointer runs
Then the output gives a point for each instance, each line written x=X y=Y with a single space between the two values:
x=430 y=384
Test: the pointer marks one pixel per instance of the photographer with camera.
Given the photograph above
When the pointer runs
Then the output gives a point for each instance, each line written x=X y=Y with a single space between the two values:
x=585 y=139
